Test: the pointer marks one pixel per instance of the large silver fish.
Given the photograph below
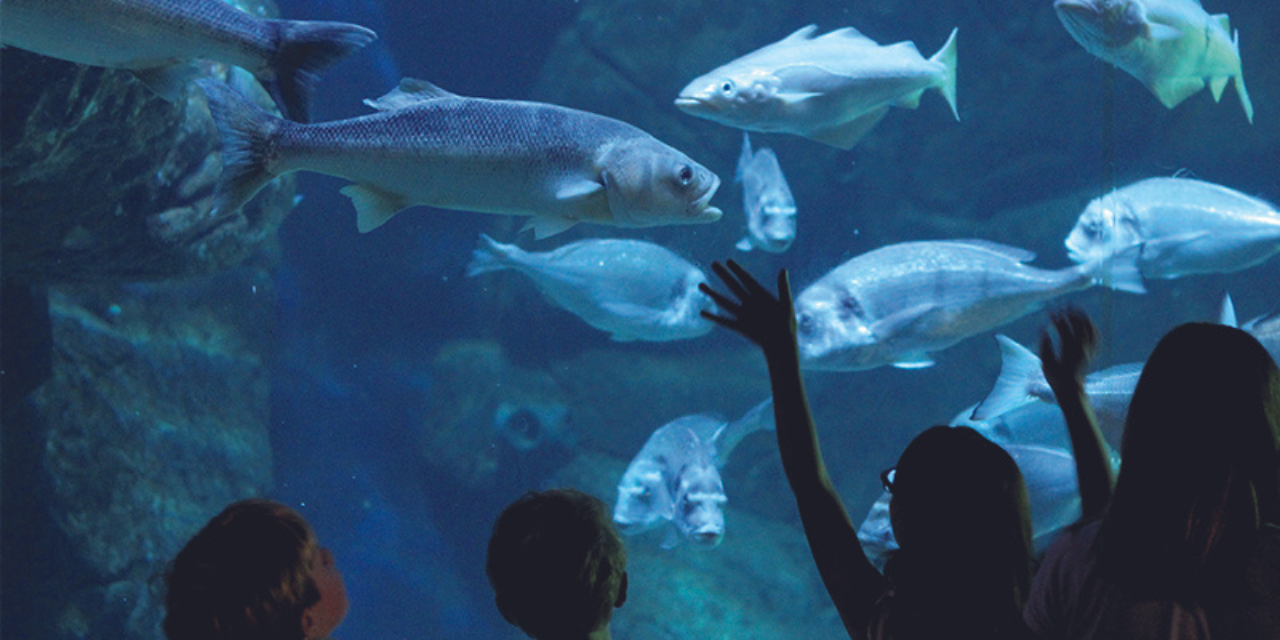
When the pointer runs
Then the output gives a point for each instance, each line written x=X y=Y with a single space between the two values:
x=896 y=304
x=1172 y=46
x=1021 y=381
x=766 y=199
x=158 y=39
x=428 y=146
x=675 y=478
x=832 y=89
x=1184 y=227
x=632 y=289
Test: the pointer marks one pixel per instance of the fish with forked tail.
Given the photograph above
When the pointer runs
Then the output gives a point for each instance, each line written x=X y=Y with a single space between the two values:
x=158 y=39
x=833 y=88
x=426 y=146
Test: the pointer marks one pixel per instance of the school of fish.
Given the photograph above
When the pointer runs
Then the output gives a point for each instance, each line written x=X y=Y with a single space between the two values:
x=557 y=166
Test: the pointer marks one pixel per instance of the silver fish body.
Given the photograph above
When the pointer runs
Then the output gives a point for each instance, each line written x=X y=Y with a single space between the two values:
x=632 y=289
x=156 y=38
x=675 y=477
x=426 y=146
x=833 y=88
x=896 y=304
x=766 y=200
x=1184 y=227
x=1021 y=381
x=1173 y=47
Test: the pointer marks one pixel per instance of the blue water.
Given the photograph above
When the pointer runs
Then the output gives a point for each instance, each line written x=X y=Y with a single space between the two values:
x=360 y=317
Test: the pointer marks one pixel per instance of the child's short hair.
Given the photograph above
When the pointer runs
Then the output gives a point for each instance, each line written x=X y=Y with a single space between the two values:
x=556 y=563
x=244 y=576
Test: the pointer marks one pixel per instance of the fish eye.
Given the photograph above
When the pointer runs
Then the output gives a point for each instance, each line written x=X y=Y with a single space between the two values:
x=685 y=175
x=804 y=324
x=727 y=88
x=849 y=308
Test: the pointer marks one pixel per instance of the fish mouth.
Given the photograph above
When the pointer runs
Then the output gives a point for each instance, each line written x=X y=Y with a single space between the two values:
x=701 y=206
x=706 y=538
x=691 y=104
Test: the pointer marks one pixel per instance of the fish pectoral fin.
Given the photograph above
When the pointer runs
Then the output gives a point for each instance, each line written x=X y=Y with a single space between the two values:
x=168 y=82
x=546 y=226
x=1160 y=32
x=374 y=207
x=576 y=188
x=1216 y=86
x=848 y=134
x=914 y=361
x=628 y=309
x=744 y=245
x=1172 y=91
x=671 y=539
x=900 y=320
x=791 y=98
x=1159 y=249
x=411 y=91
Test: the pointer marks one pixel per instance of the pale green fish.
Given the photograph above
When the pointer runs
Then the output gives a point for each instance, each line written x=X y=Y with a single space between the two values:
x=158 y=40
x=426 y=146
x=1174 y=47
x=833 y=88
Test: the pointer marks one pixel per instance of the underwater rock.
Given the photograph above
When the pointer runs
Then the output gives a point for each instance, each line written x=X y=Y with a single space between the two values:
x=760 y=583
x=103 y=180
x=488 y=415
x=154 y=418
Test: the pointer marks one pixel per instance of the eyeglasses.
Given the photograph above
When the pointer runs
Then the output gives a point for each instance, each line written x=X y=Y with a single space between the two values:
x=886 y=478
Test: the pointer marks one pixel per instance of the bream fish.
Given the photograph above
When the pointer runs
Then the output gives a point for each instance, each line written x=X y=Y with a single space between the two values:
x=1174 y=47
x=833 y=88
x=896 y=304
x=766 y=200
x=675 y=478
x=632 y=289
x=1184 y=227
x=1021 y=381
x=159 y=39
x=427 y=146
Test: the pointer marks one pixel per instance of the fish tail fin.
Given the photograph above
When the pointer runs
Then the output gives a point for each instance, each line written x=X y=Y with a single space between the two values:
x=1019 y=368
x=946 y=56
x=1117 y=271
x=1239 y=80
x=248 y=136
x=727 y=437
x=303 y=48
x=490 y=255
x=744 y=158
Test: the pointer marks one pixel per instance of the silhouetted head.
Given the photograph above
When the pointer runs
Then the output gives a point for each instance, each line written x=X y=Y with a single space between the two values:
x=963 y=524
x=1201 y=460
x=254 y=572
x=556 y=563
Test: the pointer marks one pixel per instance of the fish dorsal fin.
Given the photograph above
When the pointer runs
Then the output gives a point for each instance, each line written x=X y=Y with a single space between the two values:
x=744 y=158
x=1223 y=21
x=544 y=226
x=1227 y=315
x=847 y=33
x=411 y=91
x=803 y=33
x=1013 y=253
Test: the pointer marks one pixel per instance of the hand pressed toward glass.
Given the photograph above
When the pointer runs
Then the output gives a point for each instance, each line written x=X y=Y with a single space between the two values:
x=765 y=319
x=1077 y=341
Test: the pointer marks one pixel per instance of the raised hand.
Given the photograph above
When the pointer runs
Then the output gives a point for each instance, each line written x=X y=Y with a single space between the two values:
x=1077 y=339
x=765 y=319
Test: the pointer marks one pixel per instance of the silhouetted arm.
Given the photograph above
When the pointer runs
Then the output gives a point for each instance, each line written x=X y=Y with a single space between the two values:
x=1064 y=369
x=851 y=580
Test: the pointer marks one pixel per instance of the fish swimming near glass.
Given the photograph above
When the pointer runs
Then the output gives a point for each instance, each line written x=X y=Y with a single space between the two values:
x=898 y=303
x=1174 y=47
x=675 y=478
x=158 y=40
x=426 y=146
x=833 y=88
x=766 y=199
x=1184 y=227
x=1021 y=381
x=632 y=289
